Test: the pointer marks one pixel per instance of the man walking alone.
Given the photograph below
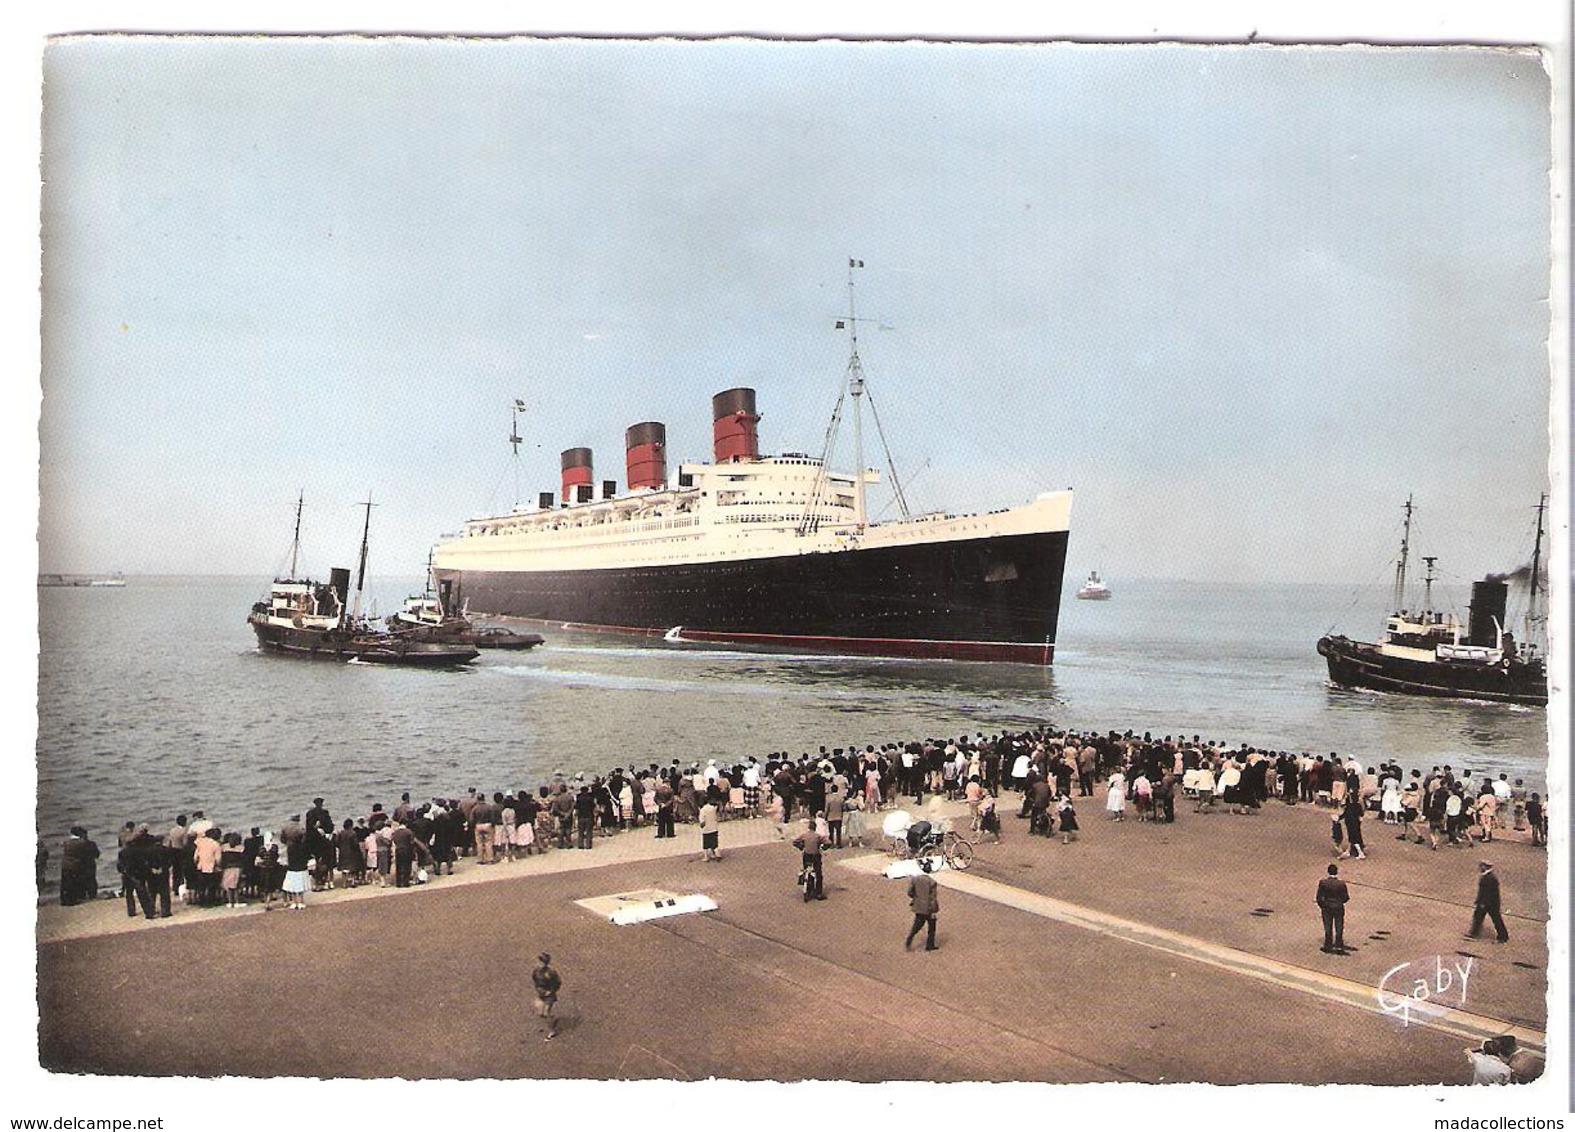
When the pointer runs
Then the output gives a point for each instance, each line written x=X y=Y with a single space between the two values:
x=924 y=898
x=1332 y=898
x=1487 y=904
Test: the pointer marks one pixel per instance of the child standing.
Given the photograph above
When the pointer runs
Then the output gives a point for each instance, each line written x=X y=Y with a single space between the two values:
x=1068 y=821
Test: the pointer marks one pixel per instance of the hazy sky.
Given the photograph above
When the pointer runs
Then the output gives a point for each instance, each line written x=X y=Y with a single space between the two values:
x=1242 y=300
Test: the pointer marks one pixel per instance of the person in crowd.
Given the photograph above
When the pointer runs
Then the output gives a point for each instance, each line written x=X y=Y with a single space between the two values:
x=1116 y=796
x=78 y=867
x=854 y=823
x=208 y=852
x=232 y=856
x=350 y=854
x=297 y=858
x=585 y=818
x=136 y=868
x=507 y=830
x=483 y=823
x=1351 y=818
x=1068 y=815
x=710 y=819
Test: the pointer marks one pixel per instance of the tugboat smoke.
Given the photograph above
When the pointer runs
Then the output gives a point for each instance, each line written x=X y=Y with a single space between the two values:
x=1518 y=574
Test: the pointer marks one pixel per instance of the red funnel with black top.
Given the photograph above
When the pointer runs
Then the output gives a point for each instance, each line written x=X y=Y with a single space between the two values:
x=645 y=447
x=733 y=426
x=577 y=473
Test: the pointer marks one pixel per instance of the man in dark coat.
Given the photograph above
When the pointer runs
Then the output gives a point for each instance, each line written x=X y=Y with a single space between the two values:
x=1487 y=904
x=1039 y=807
x=585 y=818
x=563 y=814
x=925 y=900
x=135 y=865
x=1332 y=898
x=78 y=868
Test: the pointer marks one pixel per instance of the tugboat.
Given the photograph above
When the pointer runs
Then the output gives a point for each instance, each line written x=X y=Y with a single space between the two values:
x=424 y=617
x=1094 y=589
x=306 y=618
x=1425 y=654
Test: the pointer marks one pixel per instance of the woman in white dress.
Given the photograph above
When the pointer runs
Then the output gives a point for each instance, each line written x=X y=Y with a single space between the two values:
x=1228 y=788
x=1116 y=796
x=1390 y=804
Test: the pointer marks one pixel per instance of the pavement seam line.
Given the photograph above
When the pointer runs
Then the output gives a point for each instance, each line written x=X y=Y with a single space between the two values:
x=1332 y=988
x=712 y=917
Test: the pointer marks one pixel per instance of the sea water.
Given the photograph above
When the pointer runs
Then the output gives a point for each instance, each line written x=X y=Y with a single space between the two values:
x=155 y=700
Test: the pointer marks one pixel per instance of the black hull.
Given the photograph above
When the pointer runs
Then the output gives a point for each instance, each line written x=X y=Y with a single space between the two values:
x=371 y=649
x=979 y=599
x=1356 y=664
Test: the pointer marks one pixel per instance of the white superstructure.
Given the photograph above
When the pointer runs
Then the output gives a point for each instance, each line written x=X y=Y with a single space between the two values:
x=772 y=506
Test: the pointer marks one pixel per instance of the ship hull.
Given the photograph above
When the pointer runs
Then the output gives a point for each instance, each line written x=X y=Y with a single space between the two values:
x=996 y=598
x=1356 y=664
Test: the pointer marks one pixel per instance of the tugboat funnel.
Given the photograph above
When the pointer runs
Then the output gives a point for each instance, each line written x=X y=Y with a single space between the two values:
x=1488 y=601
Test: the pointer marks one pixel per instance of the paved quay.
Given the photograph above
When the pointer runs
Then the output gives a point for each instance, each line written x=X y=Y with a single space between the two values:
x=1139 y=953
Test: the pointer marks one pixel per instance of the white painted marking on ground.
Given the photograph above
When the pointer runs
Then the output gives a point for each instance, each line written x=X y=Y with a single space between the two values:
x=678 y=906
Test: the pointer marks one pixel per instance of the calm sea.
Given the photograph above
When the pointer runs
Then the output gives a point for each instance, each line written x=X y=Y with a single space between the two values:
x=154 y=699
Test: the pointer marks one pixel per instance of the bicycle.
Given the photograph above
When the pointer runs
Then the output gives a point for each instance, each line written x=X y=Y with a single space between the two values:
x=957 y=850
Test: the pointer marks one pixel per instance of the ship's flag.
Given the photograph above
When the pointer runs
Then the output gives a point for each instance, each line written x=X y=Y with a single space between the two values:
x=841 y=325
x=855 y=263
x=519 y=406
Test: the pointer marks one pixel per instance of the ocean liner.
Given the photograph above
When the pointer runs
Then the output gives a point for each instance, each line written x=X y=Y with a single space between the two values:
x=1427 y=653
x=761 y=550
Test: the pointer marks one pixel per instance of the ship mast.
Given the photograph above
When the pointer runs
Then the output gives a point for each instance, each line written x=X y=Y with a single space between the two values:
x=1427 y=588
x=1405 y=550
x=295 y=547
x=856 y=388
x=360 y=577
x=514 y=442
x=1536 y=566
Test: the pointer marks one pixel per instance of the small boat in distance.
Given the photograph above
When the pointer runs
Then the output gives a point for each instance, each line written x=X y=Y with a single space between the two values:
x=1094 y=589
x=1425 y=653
x=114 y=581
x=306 y=618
